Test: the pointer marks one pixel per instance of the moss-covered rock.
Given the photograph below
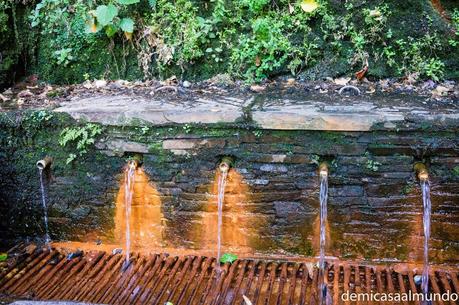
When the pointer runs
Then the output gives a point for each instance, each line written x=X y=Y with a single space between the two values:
x=395 y=38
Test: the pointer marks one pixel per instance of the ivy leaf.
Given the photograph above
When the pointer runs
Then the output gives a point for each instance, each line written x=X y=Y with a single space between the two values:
x=127 y=25
x=309 y=5
x=127 y=2
x=152 y=3
x=3 y=257
x=106 y=13
x=228 y=258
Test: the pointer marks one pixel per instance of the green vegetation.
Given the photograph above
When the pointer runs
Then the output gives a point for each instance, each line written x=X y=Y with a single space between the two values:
x=80 y=137
x=3 y=257
x=228 y=258
x=372 y=165
x=456 y=171
x=132 y=39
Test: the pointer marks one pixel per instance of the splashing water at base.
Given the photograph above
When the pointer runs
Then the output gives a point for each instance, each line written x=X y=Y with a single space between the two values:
x=324 y=296
x=128 y=193
x=45 y=207
x=221 y=198
x=425 y=185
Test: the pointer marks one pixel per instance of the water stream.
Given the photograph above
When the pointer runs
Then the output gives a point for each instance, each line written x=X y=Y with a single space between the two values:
x=425 y=185
x=128 y=193
x=324 y=297
x=221 y=197
x=45 y=207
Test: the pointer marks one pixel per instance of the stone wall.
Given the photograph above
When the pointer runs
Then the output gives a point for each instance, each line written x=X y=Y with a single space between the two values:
x=271 y=205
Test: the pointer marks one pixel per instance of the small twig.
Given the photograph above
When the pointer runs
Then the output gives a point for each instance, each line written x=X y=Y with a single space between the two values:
x=167 y=88
x=347 y=87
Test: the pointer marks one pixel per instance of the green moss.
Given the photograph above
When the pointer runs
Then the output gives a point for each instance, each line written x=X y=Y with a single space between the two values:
x=28 y=137
x=249 y=39
x=455 y=171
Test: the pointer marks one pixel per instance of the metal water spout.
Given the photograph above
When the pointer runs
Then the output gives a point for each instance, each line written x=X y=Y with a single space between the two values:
x=323 y=169
x=421 y=171
x=133 y=164
x=225 y=164
x=44 y=163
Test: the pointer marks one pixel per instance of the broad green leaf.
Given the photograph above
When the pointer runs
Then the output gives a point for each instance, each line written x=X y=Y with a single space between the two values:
x=309 y=5
x=228 y=258
x=127 y=25
x=127 y=2
x=152 y=3
x=106 y=13
x=111 y=30
x=3 y=257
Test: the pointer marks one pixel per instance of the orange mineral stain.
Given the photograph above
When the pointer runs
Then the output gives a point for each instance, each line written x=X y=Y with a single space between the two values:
x=146 y=220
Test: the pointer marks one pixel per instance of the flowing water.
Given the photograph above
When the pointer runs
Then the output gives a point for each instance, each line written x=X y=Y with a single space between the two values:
x=221 y=198
x=425 y=185
x=45 y=207
x=324 y=297
x=128 y=192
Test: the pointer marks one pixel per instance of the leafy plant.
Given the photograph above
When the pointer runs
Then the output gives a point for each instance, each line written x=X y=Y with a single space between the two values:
x=106 y=17
x=373 y=165
x=34 y=120
x=64 y=56
x=255 y=6
x=417 y=56
x=82 y=138
x=3 y=257
x=455 y=23
x=228 y=258
x=315 y=159
x=249 y=39
x=258 y=133
x=187 y=128
x=262 y=51
x=456 y=171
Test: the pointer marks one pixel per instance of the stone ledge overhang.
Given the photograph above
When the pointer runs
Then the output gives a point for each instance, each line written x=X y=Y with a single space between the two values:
x=276 y=113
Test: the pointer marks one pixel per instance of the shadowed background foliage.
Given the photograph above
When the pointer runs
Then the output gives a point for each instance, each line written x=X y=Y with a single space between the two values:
x=67 y=41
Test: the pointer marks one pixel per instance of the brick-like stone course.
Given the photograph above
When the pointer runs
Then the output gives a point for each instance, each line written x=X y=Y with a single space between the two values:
x=272 y=202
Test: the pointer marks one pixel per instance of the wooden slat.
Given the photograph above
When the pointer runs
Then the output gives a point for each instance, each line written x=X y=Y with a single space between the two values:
x=191 y=279
x=413 y=287
x=304 y=284
x=292 y=287
x=401 y=284
x=100 y=278
x=434 y=286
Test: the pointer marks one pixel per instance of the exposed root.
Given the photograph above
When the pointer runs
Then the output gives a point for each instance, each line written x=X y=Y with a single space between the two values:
x=167 y=88
x=349 y=87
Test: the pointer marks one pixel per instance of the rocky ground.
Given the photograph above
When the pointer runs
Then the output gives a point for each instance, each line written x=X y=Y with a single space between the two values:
x=33 y=94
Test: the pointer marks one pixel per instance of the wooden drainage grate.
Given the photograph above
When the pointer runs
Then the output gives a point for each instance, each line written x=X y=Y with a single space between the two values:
x=99 y=277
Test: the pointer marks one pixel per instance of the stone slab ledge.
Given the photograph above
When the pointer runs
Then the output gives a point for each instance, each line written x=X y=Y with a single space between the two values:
x=264 y=112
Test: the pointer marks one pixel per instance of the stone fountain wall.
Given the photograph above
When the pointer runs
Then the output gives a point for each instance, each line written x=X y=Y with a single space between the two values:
x=375 y=208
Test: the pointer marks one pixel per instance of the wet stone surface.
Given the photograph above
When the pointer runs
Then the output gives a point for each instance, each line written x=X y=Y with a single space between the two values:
x=271 y=202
